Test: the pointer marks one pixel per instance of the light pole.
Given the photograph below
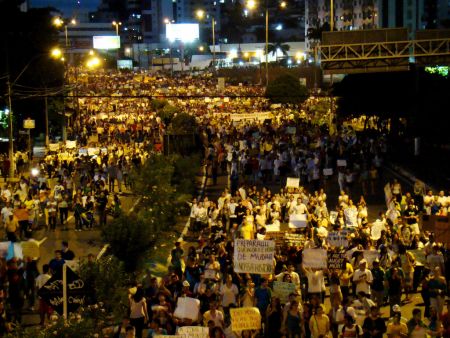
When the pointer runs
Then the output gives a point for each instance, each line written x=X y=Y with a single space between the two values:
x=117 y=24
x=331 y=15
x=251 y=4
x=200 y=14
x=55 y=53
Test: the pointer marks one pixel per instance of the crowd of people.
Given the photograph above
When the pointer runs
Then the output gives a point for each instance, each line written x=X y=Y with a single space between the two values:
x=387 y=257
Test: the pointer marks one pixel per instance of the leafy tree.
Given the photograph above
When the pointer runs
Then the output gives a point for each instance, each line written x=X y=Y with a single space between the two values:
x=286 y=89
x=129 y=237
x=108 y=280
x=182 y=124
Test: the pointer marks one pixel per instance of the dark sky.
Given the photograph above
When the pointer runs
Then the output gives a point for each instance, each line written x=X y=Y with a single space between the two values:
x=68 y=7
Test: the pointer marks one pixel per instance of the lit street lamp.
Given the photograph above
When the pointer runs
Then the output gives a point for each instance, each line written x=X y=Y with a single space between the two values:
x=251 y=4
x=58 y=22
x=200 y=14
x=116 y=24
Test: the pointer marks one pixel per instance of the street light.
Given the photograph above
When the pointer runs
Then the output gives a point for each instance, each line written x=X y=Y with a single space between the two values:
x=251 y=4
x=58 y=22
x=117 y=24
x=93 y=62
x=200 y=14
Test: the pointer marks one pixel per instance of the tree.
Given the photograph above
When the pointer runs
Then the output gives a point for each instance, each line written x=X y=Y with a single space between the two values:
x=275 y=48
x=130 y=238
x=315 y=33
x=286 y=89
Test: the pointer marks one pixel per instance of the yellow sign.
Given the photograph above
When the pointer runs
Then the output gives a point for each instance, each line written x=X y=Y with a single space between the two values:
x=245 y=318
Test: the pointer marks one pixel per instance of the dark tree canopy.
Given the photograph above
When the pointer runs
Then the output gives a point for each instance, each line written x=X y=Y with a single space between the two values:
x=286 y=89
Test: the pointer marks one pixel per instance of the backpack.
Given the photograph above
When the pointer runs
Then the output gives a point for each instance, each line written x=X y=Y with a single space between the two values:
x=359 y=331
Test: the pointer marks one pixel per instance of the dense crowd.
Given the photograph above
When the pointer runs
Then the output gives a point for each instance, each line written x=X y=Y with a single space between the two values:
x=387 y=257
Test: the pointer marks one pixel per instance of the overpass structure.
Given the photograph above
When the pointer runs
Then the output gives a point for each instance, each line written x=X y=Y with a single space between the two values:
x=381 y=50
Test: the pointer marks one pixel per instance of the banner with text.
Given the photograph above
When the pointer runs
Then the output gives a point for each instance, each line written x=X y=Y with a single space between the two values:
x=253 y=256
x=315 y=258
x=245 y=318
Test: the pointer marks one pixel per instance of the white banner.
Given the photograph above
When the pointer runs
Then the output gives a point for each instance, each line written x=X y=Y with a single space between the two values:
x=187 y=307
x=298 y=221
x=292 y=182
x=315 y=258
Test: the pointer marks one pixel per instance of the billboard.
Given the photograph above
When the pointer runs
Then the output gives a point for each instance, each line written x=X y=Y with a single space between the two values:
x=185 y=32
x=124 y=64
x=106 y=42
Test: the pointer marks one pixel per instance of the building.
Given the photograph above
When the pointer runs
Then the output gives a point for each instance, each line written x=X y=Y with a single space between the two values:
x=367 y=14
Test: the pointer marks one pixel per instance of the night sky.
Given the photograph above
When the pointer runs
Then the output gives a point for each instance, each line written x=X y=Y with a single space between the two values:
x=68 y=7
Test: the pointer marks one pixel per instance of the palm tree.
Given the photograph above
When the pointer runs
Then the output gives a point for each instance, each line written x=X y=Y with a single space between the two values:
x=276 y=47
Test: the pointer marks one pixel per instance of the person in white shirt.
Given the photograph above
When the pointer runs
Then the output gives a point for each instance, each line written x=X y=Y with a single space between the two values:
x=44 y=308
x=299 y=208
x=363 y=278
x=229 y=292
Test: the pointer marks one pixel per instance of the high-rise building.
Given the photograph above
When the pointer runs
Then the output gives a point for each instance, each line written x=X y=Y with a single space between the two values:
x=368 y=14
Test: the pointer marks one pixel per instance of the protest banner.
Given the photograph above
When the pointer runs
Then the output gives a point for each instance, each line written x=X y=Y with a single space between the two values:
x=375 y=231
x=53 y=146
x=254 y=256
x=210 y=274
x=193 y=331
x=338 y=238
x=187 y=307
x=71 y=144
x=327 y=171
x=283 y=290
x=297 y=221
x=292 y=182
x=315 y=258
x=341 y=163
x=294 y=239
x=370 y=256
x=245 y=318
x=333 y=216
x=351 y=217
x=93 y=151
x=273 y=227
x=336 y=260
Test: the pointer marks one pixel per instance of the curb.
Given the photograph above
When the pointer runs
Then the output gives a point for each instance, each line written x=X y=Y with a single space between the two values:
x=186 y=227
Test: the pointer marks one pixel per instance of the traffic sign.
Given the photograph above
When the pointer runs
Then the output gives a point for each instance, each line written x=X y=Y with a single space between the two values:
x=52 y=291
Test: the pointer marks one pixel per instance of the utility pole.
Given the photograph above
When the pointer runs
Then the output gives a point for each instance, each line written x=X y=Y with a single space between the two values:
x=11 y=139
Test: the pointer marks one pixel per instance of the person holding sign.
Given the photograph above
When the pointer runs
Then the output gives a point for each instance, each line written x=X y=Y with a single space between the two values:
x=363 y=277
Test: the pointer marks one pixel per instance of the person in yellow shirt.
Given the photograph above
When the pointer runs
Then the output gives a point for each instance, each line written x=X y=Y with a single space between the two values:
x=248 y=230
x=319 y=324
x=397 y=329
x=11 y=227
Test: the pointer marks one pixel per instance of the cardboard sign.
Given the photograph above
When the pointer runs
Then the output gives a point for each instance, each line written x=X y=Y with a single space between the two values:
x=253 y=256
x=315 y=258
x=328 y=172
x=336 y=260
x=338 y=238
x=71 y=144
x=341 y=163
x=282 y=290
x=245 y=318
x=53 y=146
x=333 y=216
x=187 y=307
x=298 y=221
x=375 y=231
x=370 y=256
x=273 y=227
x=210 y=274
x=292 y=182
x=193 y=331
x=351 y=217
